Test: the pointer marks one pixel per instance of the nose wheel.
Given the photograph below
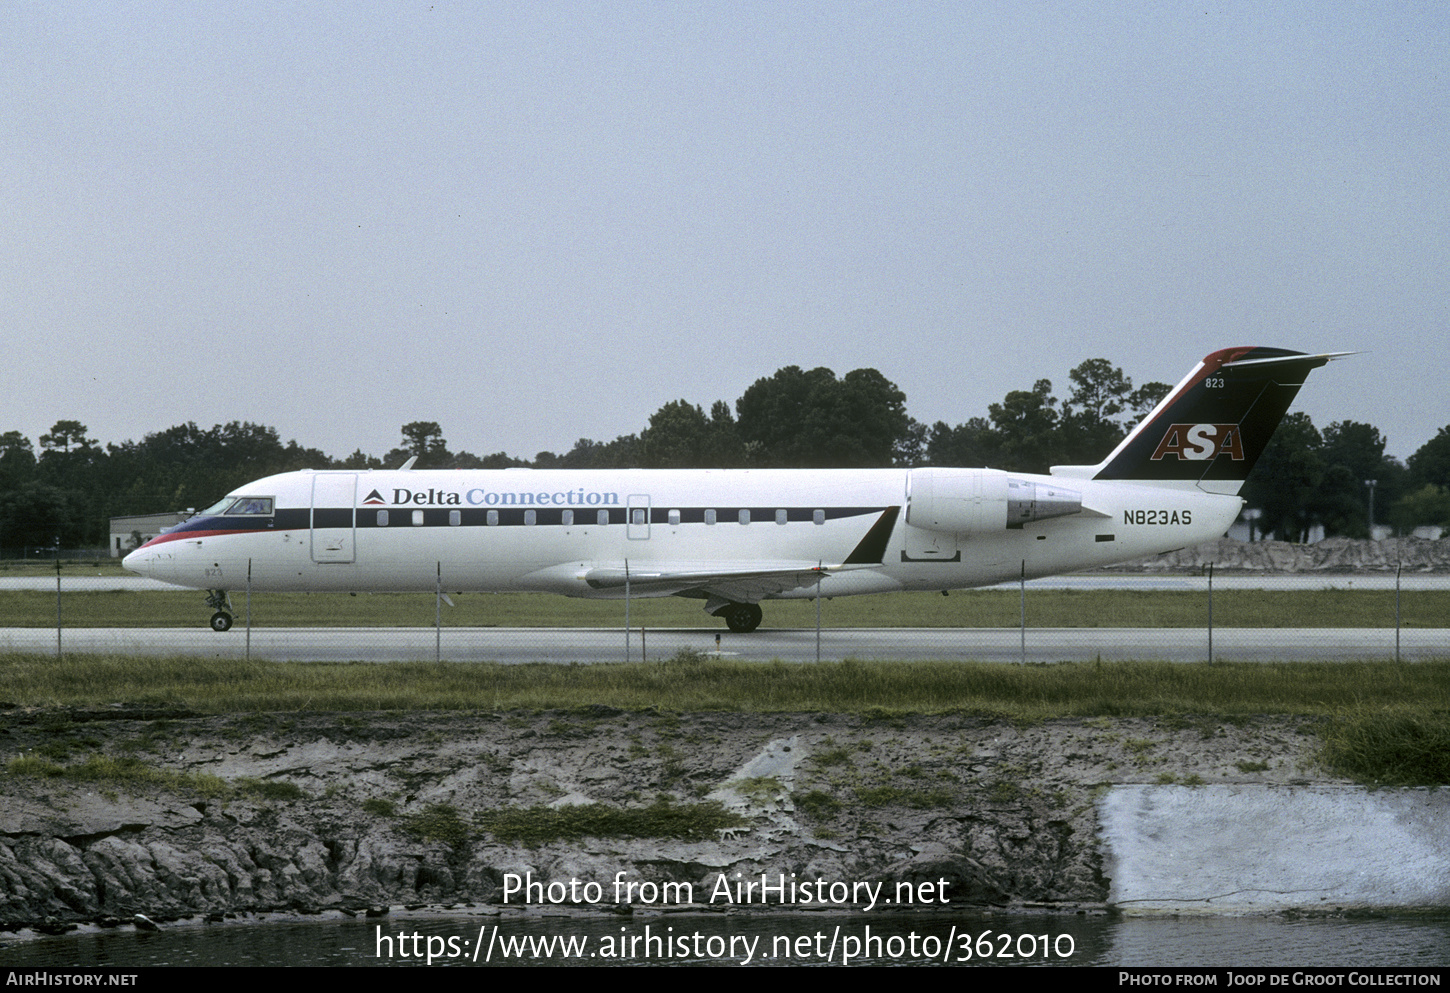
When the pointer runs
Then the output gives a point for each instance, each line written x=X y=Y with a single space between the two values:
x=219 y=601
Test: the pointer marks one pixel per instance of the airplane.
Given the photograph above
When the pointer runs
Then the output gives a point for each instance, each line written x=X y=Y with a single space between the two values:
x=736 y=537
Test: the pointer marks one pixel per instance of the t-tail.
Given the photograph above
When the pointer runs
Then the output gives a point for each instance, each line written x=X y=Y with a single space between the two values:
x=1212 y=427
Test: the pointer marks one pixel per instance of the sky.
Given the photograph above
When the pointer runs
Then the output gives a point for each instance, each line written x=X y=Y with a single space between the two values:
x=536 y=222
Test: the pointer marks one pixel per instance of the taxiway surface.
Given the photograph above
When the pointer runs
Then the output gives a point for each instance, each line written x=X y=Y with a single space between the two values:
x=589 y=645
x=1079 y=581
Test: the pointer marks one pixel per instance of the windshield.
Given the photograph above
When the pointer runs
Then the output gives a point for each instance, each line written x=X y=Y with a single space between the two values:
x=253 y=506
x=217 y=507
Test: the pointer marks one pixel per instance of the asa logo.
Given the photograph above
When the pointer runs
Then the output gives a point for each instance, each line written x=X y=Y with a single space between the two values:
x=1201 y=442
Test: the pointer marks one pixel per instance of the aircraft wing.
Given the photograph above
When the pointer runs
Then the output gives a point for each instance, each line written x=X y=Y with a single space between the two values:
x=736 y=584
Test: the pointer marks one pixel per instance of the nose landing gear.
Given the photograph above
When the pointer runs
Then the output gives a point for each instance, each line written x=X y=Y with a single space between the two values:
x=219 y=601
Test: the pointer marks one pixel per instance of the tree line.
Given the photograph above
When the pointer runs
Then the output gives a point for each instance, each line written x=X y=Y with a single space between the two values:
x=66 y=491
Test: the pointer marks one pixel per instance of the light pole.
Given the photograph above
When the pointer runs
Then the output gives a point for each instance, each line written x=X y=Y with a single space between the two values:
x=1370 y=484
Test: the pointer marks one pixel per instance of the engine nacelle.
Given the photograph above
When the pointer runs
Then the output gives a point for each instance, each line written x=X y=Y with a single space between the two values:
x=965 y=501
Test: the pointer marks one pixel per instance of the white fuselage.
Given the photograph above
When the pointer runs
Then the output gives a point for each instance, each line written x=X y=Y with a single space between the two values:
x=541 y=530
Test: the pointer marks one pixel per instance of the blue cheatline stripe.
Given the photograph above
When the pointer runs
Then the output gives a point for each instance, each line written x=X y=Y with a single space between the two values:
x=283 y=520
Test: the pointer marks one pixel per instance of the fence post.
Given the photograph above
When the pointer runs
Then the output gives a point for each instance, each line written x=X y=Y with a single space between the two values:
x=438 y=617
x=1210 y=611
x=249 y=610
x=58 y=654
x=819 y=564
x=626 y=610
x=1022 y=589
x=1398 y=567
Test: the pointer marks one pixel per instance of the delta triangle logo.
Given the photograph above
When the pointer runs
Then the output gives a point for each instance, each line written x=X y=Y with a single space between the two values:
x=373 y=497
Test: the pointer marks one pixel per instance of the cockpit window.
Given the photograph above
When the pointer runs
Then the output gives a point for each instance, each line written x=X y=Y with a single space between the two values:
x=252 y=506
x=218 y=507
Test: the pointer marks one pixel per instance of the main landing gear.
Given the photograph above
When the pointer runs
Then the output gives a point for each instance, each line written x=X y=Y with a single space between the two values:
x=742 y=618
x=222 y=604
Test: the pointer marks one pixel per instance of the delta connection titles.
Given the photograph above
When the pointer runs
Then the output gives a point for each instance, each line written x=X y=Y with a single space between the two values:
x=479 y=497
x=738 y=891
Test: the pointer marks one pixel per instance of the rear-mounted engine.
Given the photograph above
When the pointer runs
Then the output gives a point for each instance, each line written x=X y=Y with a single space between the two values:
x=983 y=500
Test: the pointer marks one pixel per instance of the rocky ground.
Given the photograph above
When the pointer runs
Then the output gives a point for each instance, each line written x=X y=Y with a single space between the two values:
x=350 y=811
x=1336 y=556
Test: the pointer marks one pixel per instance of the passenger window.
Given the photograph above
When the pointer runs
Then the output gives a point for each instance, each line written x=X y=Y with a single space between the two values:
x=567 y=518
x=818 y=517
x=674 y=517
x=531 y=517
x=382 y=518
x=781 y=517
x=745 y=517
x=639 y=516
x=417 y=518
x=709 y=517
x=603 y=518
x=491 y=518
x=455 y=518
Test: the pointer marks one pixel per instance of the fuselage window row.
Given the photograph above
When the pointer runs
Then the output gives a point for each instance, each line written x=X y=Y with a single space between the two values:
x=638 y=516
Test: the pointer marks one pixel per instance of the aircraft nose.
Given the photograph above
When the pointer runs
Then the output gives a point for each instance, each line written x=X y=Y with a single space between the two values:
x=138 y=562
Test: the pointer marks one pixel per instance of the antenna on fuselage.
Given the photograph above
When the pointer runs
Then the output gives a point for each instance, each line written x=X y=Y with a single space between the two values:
x=408 y=464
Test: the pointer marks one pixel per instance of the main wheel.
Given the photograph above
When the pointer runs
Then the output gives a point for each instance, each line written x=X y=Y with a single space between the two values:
x=742 y=618
x=221 y=621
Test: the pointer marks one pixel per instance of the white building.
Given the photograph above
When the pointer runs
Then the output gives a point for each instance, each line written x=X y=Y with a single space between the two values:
x=131 y=532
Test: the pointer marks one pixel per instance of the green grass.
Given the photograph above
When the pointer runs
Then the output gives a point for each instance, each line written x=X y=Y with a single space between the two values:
x=758 y=789
x=1384 y=723
x=116 y=771
x=817 y=805
x=1031 y=692
x=438 y=822
x=268 y=789
x=1390 y=749
x=971 y=608
x=12 y=568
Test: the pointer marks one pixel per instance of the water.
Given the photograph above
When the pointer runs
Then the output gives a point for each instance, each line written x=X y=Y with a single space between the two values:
x=1421 y=941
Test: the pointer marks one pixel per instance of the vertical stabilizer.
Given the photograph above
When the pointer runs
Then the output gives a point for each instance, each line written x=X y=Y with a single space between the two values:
x=1211 y=429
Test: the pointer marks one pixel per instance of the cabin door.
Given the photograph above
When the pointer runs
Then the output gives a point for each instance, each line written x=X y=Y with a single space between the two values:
x=334 y=495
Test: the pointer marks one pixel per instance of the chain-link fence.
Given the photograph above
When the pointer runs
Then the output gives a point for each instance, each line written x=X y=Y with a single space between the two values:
x=1188 y=617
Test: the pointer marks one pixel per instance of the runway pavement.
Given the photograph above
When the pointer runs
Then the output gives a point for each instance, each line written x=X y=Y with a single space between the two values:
x=593 y=645
x=1081 y=581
